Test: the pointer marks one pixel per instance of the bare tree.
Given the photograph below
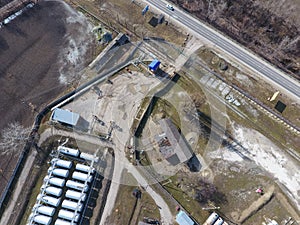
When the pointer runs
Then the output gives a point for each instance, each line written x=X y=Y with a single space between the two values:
x=12 y=138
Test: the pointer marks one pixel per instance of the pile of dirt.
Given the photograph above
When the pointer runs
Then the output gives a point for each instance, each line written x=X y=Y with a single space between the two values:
x=270 y=28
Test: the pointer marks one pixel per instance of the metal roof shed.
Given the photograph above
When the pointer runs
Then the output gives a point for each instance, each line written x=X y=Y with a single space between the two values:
x=183 y=219
x=154 y=65
x=64 y=116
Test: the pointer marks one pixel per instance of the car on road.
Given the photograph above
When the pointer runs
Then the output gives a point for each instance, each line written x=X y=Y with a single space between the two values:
x=170 y=7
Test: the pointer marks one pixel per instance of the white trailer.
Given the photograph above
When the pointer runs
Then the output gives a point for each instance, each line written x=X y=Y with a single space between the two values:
x=49 y=200
x=63 y=222
x=59 y=172
x=75 y=195
x=55 y=181
x=53 y=191
x=89 y=157
x=68 y=151
x=67 y=204
x=46 y=210
x=84 y=168
x=45 y=220
x=65 y=214
x=211 y=219
x=82 y=176
x=61 y=163
x=76 y=185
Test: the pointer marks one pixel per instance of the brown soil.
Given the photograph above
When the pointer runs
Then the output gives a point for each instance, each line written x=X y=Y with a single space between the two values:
x=29 y=67
x=270 y=28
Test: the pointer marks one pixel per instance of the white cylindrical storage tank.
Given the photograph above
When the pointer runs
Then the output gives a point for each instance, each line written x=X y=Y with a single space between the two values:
x=57 y=181
x=59 y=172
x=53 y=191
x=46 y=210
x=45 y=220
x=211 y=219
x=84 y=168
x=61 y=163
x=65 y=214
x=75 y=195
x=68 y=151
x=63 y=222
x=89 y=157
x=76 y=185
x=67 y=204
x=51 y=200
x=219 y=221
x=82 y=176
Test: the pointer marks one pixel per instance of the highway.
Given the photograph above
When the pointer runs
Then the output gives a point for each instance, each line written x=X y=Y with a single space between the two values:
x=218 y=39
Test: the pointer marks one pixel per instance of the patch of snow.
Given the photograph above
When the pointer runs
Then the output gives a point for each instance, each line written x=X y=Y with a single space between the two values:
x=78 y=39
x=264 y=153
x=270 y=157
x=244 y=79
x=226 y=154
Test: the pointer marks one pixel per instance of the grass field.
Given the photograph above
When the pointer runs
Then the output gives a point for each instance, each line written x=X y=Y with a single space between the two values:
x=128 y=209
x=115 y=14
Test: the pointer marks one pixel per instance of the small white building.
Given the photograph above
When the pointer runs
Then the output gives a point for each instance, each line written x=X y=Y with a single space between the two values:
x=44 y=220
x=68 y=151
x=75 y=195
x=84 y=168
x=46 y=210
x=67 y=204
x=82 y=177
x=61 y=163
x=77 y=186
x=64 y=214
x=58 y=172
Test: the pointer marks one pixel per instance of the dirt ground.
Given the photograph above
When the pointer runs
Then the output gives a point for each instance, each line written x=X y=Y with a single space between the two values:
x=31 y=51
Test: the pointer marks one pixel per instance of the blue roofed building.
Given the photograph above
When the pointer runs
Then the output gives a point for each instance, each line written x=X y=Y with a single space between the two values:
x=153 y=66
x=65 y=117
x=183 y=219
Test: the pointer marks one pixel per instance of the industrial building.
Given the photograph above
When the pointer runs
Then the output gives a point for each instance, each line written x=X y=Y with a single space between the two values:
x=183 y=219
x=172 y=144
x=65 y=190
x=68 y=118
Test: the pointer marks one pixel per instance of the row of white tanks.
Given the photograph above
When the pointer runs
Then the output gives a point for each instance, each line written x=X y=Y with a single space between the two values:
x=51 y=197
x=215 y=219
x=76 y=153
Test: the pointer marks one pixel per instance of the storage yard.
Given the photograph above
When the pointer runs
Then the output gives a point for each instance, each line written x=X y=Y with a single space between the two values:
x=64 y=194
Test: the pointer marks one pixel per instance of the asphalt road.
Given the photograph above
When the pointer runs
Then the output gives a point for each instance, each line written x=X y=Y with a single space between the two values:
x=233 y=49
